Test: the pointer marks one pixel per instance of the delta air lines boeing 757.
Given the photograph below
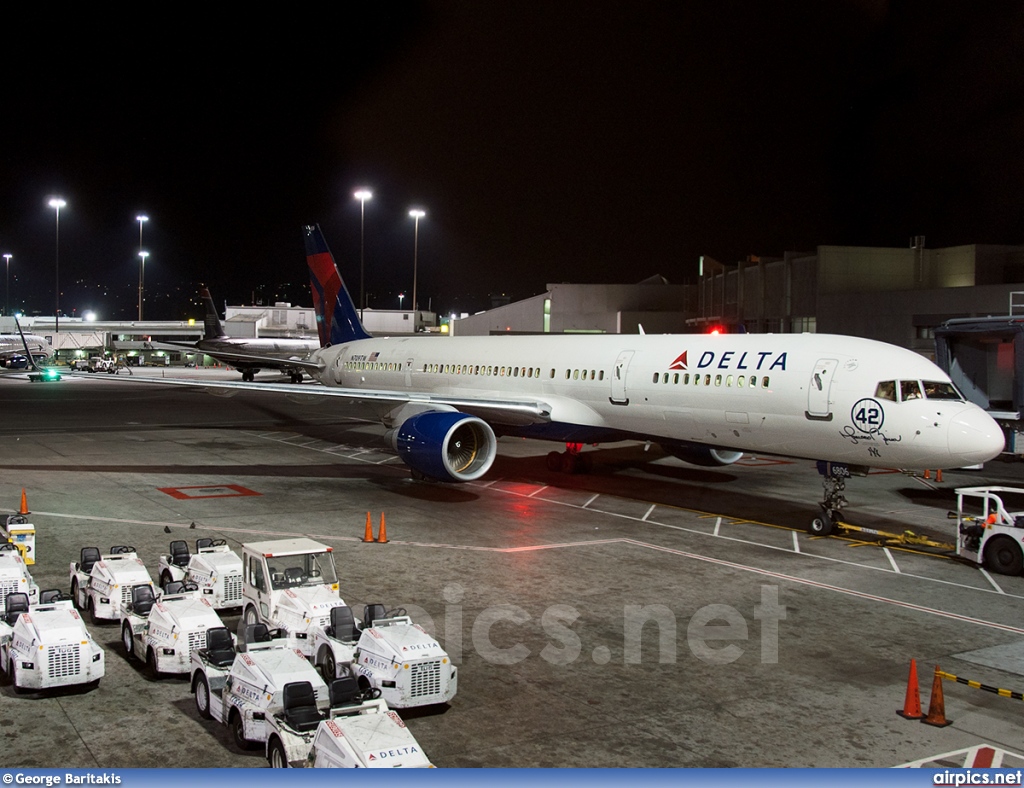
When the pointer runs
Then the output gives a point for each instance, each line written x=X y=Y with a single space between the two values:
x=704 y=398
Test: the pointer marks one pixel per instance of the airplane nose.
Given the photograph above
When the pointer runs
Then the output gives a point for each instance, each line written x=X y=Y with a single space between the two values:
x=974 y=437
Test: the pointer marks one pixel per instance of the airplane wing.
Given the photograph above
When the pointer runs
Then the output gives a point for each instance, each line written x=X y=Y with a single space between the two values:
x=265 y=360
x=511 y=412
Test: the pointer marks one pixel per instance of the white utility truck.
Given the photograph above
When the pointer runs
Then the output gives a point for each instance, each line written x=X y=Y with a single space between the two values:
x=46 y=645
x=102 y=584
x=291 y=584
x=388 y=652
x=242 y=690
x=14 y=575
x=214 y=567
x=356 y=731
x=165 y=631
x=990 y=527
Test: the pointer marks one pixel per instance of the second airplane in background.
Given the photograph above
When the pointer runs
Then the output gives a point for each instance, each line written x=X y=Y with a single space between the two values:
x=249 y=356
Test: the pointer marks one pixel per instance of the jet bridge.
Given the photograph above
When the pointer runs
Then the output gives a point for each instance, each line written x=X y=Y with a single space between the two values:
x=984 y=357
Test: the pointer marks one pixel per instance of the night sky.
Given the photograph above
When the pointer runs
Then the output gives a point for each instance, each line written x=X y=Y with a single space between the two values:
x=547 y=142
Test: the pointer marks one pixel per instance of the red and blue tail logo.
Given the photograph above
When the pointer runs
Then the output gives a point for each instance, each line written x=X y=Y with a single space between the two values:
x=336 y=318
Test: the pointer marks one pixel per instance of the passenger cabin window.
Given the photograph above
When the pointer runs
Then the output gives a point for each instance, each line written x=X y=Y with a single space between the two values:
x=886 y=390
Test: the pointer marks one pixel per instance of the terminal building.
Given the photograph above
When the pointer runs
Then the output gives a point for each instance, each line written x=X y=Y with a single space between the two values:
x=896 y=295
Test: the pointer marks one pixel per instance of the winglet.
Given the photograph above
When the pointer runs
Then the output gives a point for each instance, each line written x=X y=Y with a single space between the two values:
x=336 y=318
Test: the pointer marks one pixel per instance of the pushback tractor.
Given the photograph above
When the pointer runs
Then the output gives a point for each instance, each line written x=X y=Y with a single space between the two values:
x=291 y=585
x=102 y=584
x=164 y=631
x=990 y=527
x=214 y=567
x=46 y=645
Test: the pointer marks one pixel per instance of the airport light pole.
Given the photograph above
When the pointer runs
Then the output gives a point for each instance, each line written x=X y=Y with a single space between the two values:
x=142 y=269
x=56 y=203
x=141 y=219
x=7 y=289
x=400 y=297
x=362 y=195
x=416 y=214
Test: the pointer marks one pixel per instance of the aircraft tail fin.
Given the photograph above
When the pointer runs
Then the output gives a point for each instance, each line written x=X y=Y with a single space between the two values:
x=212 y=328
x=337 y=320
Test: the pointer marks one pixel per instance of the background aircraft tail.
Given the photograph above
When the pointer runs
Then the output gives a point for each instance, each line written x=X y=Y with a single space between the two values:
x=212 y=329
x=337 y=320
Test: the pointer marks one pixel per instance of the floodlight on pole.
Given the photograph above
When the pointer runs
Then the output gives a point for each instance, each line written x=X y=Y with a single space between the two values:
x=142 y=269
x=7 y=289
x=56 y=203
x=141 y=219
x=362 y=195
x=416 y=214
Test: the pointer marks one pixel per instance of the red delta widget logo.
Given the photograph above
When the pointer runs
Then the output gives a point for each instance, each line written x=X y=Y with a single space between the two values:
x=733 y=359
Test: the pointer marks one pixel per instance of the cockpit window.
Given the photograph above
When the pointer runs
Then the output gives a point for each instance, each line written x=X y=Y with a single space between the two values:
x=934 y=389
x=886 y=390
x=910 y=389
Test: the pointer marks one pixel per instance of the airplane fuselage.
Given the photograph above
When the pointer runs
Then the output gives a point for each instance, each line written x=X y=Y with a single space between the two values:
x=802 y=395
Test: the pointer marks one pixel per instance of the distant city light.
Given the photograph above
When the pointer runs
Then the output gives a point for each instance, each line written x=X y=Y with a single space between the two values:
x=89 y=316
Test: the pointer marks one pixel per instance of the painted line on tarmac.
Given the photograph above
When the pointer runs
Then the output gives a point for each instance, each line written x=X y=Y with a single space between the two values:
x=718 y=535
x=596 y=542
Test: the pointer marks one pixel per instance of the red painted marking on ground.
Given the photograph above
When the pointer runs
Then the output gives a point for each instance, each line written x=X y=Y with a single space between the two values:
x=983 y=758
x=213 y=491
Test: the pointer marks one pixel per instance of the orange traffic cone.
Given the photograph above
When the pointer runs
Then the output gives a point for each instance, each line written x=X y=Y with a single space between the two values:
x=912 y=704
x=927 y=474
x=937 y=706
x=938 y=475
x=24 y=503
x=368 y=537
x=382 y=535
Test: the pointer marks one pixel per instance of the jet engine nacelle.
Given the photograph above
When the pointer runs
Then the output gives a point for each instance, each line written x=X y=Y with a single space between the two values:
x=705 y=456
x=446 y=445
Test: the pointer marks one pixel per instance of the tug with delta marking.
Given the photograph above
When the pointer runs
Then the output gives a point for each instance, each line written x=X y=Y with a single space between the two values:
x=164 y=631
x=214 y=567
x=291 y=585
x=102 y=584
x=47 y=645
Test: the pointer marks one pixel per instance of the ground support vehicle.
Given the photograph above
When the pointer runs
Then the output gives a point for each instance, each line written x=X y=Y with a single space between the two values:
x=46 y=645
x=214 y=567
x=165 y=631
x=290 y=584
x=357 y=730
x=242 y=690
x=390 y=653
x=14 y=575
x=102 y=584
x=990 y=527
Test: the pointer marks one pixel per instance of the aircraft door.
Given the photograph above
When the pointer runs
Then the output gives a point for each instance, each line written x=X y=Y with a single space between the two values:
x=618 y=396
x=819 y=388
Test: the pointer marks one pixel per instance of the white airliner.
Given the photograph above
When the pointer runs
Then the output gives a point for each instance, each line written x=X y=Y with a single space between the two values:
x=248 y=356
x=706 y=399
x=12 y=345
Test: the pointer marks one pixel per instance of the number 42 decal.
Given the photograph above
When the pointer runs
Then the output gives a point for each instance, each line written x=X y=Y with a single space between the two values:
x=868 y=415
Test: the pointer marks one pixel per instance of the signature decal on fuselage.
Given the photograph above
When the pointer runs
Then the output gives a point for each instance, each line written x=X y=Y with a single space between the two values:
x=733 y=359
x=867 y=416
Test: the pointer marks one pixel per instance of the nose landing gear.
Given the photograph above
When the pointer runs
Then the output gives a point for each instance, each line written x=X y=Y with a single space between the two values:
x=833 y=479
